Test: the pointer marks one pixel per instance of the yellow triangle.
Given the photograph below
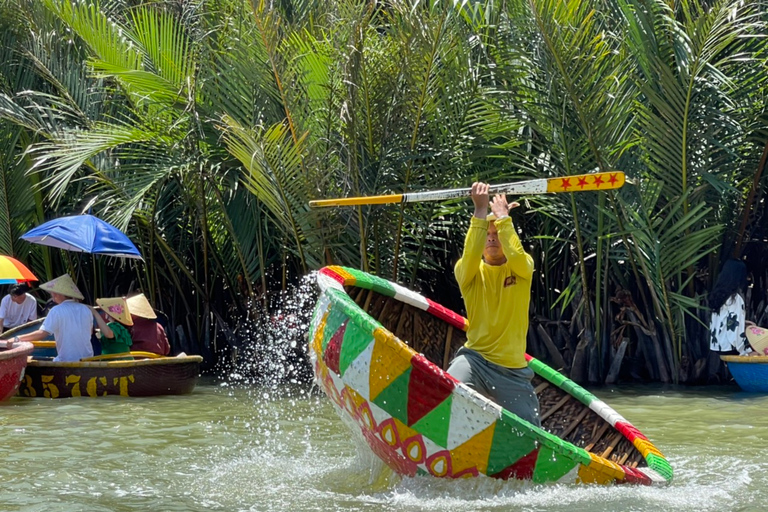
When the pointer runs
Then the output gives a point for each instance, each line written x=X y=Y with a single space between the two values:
x=390 y=359
x=474 y=452
x=317 y=342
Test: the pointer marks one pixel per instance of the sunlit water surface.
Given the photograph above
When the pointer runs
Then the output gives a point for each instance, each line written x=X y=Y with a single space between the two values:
x=240 y=448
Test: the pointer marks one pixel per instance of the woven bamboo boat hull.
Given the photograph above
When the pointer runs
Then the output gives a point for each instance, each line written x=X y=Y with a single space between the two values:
x=749 y=372
x=144 y=377
x=379 y=351
x=12 y=364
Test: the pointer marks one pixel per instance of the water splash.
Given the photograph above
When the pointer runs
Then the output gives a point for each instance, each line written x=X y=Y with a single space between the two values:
x=269 y=349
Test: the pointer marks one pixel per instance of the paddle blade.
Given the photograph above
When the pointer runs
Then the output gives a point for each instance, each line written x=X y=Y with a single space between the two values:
x=584 y=182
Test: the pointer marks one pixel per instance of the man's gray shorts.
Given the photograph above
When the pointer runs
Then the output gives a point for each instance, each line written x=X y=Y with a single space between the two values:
x=509 y=387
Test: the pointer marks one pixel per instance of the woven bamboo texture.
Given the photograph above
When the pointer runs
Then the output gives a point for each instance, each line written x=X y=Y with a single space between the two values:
x=379 y=351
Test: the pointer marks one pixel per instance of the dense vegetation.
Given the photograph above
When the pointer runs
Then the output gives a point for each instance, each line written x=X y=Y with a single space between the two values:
x=203 y=127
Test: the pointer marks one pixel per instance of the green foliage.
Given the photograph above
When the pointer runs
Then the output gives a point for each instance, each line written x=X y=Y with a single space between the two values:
x=203 y=128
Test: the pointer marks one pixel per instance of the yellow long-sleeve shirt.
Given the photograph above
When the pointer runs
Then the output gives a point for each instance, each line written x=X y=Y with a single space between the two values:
x=496 y=297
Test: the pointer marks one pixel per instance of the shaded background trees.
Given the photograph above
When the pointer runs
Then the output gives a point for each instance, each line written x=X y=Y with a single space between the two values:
x=202 y=128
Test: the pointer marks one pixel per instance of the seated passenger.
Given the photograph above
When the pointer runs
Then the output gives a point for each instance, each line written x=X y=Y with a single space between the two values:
x=147 y=333
x=18 y=307
x=116 y=339
x=70 y=322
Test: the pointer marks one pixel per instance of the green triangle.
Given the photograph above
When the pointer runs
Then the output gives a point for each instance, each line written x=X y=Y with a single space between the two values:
x=435 y=423
x=511 y=442
x=355 y=342
x=394 y=398
x=336 y=317
x=551 y=466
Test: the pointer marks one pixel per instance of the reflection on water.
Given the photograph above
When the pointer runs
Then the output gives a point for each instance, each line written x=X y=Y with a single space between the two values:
x=225 y=448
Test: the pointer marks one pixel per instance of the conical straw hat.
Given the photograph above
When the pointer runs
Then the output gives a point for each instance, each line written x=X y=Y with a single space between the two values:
x=117 y=308
x=63 y=285
x=140 y=306
x=758 y=338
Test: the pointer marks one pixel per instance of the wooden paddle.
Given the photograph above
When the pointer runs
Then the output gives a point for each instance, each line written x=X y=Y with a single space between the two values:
x=575 y=183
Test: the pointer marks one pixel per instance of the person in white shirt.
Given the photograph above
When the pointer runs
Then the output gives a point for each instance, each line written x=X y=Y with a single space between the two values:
x=18 y=307
x=70 y=322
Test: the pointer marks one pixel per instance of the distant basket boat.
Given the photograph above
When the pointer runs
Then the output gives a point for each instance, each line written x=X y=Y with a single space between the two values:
x=421 y=421
x=128 y=374
x=13 y=361
x=749 y=372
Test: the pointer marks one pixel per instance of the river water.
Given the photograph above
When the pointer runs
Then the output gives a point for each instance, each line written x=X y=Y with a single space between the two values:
x=284 y=448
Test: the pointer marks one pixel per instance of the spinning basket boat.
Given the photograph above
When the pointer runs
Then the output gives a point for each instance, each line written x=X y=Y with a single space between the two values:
x=749 y=372
x=379 y=351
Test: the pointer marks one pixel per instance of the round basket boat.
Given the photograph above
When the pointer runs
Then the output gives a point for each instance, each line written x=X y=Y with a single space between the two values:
x=13 y=361
x=379 y=352
x=749 y=372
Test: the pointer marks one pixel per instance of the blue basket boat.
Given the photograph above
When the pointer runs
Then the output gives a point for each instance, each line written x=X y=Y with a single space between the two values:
x=749 y=372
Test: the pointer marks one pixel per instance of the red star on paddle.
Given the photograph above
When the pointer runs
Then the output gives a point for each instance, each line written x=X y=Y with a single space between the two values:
x=613 y=179
x=598 y=181
x=582 y=182
x=566 y=183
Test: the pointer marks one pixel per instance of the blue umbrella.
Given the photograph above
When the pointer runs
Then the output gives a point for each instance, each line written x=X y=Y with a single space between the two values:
x=83 y=233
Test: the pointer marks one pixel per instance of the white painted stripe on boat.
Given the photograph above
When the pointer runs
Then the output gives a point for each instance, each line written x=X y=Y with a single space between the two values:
x=571 y=476
x=358 y=373
x=471 y=413
x=604 y=411
x=323 y=302
x=410 y=297
x=653 y=475
x=326 y=282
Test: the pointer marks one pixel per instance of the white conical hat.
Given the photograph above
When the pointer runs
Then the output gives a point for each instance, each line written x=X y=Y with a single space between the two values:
x=140 y=306
x=63 y=285
x=117 y=308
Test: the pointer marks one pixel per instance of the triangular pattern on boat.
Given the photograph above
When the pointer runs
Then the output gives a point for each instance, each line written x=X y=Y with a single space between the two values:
x=333 y=321
x=356 y=340
x=388 y=362
x=511 y=442
x=332 y=349
x=429 y=387
x=468 y=417
x=520 y=470
x=551 y=466
x=394 y=398
x=435 y=423
x=357 y=374
x=474 y=452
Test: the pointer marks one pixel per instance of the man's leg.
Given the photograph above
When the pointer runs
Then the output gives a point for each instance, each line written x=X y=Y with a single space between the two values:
x=512 y=389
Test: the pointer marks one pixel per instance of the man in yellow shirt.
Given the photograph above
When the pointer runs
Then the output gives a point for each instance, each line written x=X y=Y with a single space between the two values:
x=494 y=276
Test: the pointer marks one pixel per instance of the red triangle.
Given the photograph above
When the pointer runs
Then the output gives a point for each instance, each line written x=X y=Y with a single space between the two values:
x=333 y=349
x=520 y=470
x=428 y=387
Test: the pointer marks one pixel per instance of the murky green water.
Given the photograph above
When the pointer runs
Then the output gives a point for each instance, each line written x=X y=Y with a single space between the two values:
x=225 y=448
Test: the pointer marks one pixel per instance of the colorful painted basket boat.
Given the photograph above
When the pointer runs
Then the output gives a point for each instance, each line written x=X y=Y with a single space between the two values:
x=421 y=421
x=13 y=361
x=749 y=372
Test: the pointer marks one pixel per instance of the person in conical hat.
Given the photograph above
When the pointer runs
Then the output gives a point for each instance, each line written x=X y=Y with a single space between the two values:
x=117 y=338
x=69 y=321
x=147 y=333
x=62 y=286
